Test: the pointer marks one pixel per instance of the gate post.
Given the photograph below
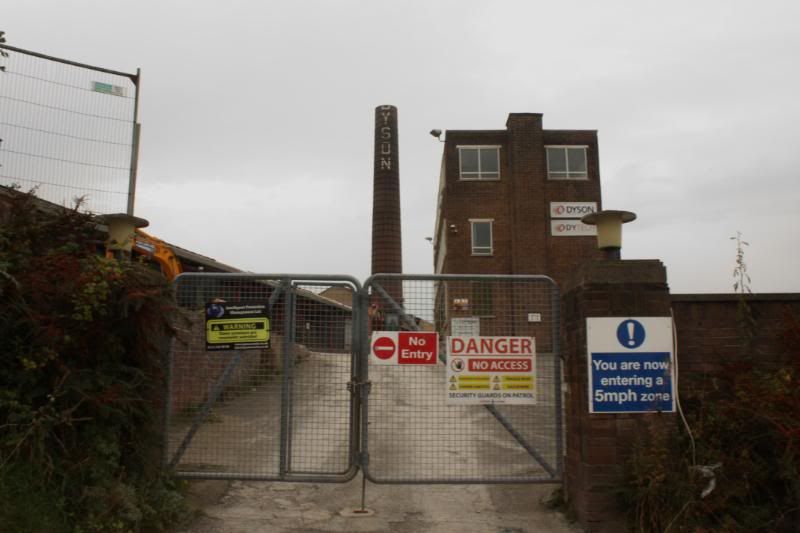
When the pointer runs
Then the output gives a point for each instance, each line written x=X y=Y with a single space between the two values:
x=599 y=444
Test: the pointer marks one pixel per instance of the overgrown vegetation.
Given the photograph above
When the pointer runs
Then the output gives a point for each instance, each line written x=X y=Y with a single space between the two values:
x=741 y=472
x=80 y=375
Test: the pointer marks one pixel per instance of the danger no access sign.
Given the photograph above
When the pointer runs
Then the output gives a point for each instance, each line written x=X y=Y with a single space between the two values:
x=489 y=370
x=237 y=326
x=404 y=348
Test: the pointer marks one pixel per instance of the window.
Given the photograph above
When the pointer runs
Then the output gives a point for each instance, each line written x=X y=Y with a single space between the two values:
x=479 y=162
x=481 y=237
x=566 y=162
x=482 y=301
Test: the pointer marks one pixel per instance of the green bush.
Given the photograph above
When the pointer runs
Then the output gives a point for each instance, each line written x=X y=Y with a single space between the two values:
x=80 y=379
x=748 y=423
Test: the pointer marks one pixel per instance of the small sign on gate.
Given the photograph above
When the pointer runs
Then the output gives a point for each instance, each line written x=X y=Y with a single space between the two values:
x=491 y=370
x=237 y=326
x=404 y=348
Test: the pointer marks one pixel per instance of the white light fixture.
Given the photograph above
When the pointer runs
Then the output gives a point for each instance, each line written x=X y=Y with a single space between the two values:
x=609 y=227
x=121 y=230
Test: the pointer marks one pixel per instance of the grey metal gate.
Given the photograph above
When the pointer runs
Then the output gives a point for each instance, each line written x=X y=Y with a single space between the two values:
x=283 y=412
x=312 y=407
x=411 y=435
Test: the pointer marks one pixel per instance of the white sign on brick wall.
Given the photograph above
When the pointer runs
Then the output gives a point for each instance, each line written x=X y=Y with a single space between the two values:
x=571 y=228
x=572 y=209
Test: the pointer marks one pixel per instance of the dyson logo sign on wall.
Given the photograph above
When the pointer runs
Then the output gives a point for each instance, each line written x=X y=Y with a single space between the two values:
x=571 y=209
x=566 y=219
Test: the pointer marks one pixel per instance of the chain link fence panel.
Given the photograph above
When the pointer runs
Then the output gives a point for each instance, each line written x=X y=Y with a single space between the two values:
x=411 y=434
x=242 y=408
x=68 y=130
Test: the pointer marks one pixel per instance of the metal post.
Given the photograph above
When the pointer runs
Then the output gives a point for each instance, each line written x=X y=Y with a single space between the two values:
x=285 y=386
x=134 y=142
x=555 y=330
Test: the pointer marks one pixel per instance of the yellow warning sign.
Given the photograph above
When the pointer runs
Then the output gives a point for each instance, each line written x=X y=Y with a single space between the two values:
x=473 y=386
x=229 y=330
x=518 y=379
x=517 y=386
x=473 y=378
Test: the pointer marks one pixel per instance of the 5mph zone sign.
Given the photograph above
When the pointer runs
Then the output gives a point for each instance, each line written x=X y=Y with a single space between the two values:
x=404 y=348
x=488 y=370
x=631 y=367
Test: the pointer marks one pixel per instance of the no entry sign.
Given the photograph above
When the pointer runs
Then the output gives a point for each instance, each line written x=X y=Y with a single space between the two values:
x=404 y=348
x=384 y=348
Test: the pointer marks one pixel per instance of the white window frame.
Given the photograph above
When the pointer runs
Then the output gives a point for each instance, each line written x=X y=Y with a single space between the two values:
x=584 y=174
x=481 y=249
x=478 y=176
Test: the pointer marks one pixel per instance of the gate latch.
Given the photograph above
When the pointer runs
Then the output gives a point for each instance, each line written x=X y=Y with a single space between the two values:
x=359 y=387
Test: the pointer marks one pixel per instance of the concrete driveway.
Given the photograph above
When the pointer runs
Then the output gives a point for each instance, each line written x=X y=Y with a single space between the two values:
x=414 y=435
x=246 y=507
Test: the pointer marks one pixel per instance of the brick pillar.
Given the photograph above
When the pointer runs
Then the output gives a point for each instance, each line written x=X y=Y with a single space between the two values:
x=598 y=445
x=527 y=166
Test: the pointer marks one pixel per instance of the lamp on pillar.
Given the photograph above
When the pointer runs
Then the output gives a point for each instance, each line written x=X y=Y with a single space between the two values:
x=121 y=230
x=609 y=229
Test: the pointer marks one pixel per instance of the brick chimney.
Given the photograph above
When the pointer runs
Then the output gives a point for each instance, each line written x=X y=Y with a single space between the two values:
x=386 y=237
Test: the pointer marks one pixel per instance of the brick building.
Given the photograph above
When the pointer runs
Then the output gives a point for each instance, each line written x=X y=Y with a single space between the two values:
x=510 y=202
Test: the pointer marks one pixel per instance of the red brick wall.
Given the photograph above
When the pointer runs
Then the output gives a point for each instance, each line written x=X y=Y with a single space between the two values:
x=466 y=200
x=708 y=334
x=598 y=445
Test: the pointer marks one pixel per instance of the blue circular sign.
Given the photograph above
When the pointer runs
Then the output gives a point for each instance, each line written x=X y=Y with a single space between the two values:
x=215 y=311
x=630 y=334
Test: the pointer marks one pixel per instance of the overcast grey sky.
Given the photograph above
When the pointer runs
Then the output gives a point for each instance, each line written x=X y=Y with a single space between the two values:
x=258 y=117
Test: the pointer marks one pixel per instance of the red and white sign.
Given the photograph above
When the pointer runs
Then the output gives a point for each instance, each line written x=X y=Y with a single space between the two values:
x=470 y=346
x=384 y=348
x=404 y=348
x=571 y=228
x=571 y=209
x=489 y=370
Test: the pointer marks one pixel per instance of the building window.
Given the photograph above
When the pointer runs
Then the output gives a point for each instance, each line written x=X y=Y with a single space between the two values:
x=481 y=237
x=479 y=162
x=482 y=300
x=566 y=162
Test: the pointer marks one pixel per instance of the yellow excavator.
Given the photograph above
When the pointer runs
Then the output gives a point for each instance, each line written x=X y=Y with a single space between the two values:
x=157 y=250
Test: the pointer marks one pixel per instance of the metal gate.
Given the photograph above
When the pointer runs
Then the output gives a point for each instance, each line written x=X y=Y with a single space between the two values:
x=411 y=435
x=311 y=407
x=285 y=412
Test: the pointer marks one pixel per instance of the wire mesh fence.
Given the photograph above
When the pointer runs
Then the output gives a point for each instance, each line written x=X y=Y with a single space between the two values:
x=300 y=397
x=241 y=407
x=450 y=422
x=68 y=130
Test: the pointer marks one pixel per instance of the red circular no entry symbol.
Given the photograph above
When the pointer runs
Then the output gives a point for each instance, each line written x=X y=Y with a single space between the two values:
x=383 y=348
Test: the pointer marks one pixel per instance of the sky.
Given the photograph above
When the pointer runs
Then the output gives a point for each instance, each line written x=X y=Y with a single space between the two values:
x=257 y=118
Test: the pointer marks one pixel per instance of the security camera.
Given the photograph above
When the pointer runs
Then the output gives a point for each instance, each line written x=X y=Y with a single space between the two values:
x=437 y=134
